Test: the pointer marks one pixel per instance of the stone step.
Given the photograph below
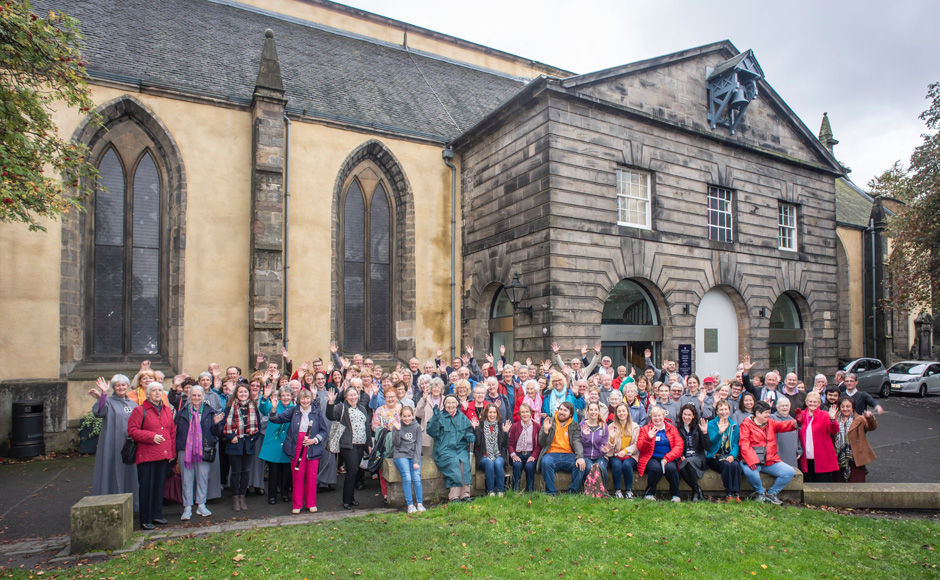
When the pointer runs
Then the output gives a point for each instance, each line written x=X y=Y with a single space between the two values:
x=910 y=496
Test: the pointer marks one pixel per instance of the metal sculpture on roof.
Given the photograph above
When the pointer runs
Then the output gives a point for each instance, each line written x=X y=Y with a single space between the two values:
x=731 y=88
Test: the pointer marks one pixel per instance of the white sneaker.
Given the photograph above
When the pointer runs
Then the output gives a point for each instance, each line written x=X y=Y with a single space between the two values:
x=203 y=511
x=421 y=508
x=628 y=495
x=650 y=497
x=618 y=495
x=675 y=499
x=492 y=493
x=313 y=510
x=412 y=509
x=500 y=493
x=187 y=513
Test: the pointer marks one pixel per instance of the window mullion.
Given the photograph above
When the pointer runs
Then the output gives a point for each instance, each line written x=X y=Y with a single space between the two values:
x=128 y=257
x=367 y=272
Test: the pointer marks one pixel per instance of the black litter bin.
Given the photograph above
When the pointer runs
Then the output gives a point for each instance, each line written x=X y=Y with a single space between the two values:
x=27 y=440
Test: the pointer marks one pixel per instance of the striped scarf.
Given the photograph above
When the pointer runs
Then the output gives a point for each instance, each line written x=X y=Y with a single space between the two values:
x=241 y=420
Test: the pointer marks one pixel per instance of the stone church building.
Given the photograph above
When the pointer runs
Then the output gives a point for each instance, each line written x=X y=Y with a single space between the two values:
x=301 y=172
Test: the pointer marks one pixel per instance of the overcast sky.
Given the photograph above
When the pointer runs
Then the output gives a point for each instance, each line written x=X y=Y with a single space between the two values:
x=866 y=62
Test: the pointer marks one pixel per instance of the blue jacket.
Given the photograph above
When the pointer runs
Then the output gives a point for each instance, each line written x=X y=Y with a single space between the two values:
x=578 y=402
x=271 y=448
x=317 y=429
x=210 y=430
x=716 y=437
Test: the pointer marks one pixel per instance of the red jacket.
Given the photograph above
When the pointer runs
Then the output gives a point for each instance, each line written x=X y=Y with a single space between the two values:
x=153 y=424
x=516 y=430
x=752 y=435
x=646 y=444
x=824 y=451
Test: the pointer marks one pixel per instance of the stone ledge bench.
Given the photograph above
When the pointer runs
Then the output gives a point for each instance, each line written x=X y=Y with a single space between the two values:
x=432 y=482
x=102 y=522
x=890 y=496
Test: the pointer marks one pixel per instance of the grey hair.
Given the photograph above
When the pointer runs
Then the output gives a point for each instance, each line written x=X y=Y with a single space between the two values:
x=153 y=385
x=204 y=374
x=285 y=390
x=491 y=380
x=424 y=379
x=119 y=379
x=525 y=385
x=853 y=375
x=437 y=382
x=194 y=388
x=820 y=376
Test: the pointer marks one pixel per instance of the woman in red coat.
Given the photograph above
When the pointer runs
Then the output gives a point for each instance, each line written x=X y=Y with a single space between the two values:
x=660 y=446
x=817 y=427
x=151 y=426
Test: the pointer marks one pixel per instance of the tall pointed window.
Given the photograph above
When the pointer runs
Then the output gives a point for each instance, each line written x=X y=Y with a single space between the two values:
x=126 y=257
x=367 y=264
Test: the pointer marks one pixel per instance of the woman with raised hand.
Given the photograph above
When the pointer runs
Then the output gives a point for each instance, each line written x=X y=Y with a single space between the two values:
x=272 y=452
x=694 y=433
x=241 y=431
x=722 y=456
x=434 y=399
x=524 y=448
x=624 y=433
x=326 y=476
x=198 y=427
x=492 y=448
x=817 y=427
x=111 y=474
x=660 y=447
x=406 y=454
x=595 y=440
x=852 y=448
x=452 y=434
x=151 y=426
x=262 y=393
x=745 y=408
x=355 y=441
x=304 y=442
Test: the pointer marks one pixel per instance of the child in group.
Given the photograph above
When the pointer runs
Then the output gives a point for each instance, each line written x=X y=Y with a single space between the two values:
x=406 y=444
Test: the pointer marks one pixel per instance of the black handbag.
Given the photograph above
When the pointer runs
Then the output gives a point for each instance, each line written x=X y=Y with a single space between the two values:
x=761 y=454
x=208 y=451
x=129 y=451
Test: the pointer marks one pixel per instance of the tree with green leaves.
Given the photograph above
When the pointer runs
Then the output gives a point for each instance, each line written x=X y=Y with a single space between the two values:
x=41 y=68
x=914 y=263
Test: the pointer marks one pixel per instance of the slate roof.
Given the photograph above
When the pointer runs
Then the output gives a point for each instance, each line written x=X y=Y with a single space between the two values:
x=853 y=206
x=213 y=47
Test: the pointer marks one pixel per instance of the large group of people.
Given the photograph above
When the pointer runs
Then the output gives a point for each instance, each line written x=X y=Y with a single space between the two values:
x=293 y=432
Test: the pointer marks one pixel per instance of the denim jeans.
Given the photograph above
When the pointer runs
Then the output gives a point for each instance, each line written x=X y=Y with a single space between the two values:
x=410 y=477
x=602 y=461
x=494 y=470
x=565 y=462
x=528 y=466
x=622 y=468
x=780 y=470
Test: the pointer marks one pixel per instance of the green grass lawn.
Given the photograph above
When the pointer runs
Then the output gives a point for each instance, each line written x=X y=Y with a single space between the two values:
x=534 y=536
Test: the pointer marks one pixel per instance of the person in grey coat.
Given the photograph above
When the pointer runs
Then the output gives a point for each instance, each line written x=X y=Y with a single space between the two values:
x=111 y=474
x=788 y=444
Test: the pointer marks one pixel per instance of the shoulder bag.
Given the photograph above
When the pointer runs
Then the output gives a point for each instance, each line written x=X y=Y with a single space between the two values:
x=336 y=433
x=129 y=451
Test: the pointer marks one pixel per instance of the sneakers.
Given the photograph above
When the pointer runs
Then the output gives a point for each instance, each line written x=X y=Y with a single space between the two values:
x=761 y=498
x=421 y=508
x=491 y=494
x=201 y=510
x=618 y=495
x=650 y=498
x=412 y=509
x=295 y=511
x=187 y=513
x=772 y=498
x=500 y=493
x=313 y=510
x=676 y=499
x=628 y=495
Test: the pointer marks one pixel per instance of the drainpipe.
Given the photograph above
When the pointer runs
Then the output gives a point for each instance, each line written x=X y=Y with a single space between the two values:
x=286 y=221
x=448 y=154
x=874 y=302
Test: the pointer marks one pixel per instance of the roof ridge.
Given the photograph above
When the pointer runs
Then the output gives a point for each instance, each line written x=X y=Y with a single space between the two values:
x=361 y=37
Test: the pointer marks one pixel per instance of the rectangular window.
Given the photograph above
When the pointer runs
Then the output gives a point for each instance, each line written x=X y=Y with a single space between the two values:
x=786 y=226
x=719 y=214
x=633 y=198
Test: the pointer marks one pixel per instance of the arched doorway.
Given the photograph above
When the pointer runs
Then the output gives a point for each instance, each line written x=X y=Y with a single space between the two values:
x=716 y=334
x=630 y=324
x=786 y=337
x=501 y=324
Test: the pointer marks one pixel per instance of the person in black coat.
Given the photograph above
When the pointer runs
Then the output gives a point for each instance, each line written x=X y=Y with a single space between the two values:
x=694 y=433
x=304 y=444
x=355 y=441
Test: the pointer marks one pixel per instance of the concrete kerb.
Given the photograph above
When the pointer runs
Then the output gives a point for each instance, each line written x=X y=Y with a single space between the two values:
x=140 y=538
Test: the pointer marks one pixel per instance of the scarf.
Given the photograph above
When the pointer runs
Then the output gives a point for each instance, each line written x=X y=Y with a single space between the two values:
x=490 y=435
x=534 y=404
x=843 y=450
x=193 y=452
x=555 y=400
x=241 y=421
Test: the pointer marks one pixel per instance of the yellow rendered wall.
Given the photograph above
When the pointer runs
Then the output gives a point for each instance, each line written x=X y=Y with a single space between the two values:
x=393 y=34
x=316 y=156
x=852 y=242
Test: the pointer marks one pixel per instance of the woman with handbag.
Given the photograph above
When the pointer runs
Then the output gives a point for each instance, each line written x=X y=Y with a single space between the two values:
x=350 y=435
x=304 y=442
x=242 y=425
x=722 y=456
x=382 y=419
x=326 y=474
x=151 y=426
x=406 y=454
x=272 y=452
x=112 y=475
x=198 y=427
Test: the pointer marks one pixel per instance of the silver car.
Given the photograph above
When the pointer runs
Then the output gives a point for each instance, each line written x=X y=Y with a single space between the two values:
x=872 y=376
x=915 y=376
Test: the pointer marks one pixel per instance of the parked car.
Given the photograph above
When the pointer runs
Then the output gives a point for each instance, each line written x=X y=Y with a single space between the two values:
x=915 y=376
x=872 y=376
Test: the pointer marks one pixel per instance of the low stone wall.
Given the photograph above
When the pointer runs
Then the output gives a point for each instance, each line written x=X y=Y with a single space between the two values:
x=433 y=483
x=886 y=496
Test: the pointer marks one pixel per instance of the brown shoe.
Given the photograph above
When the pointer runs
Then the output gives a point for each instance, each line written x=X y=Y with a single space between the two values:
x=242 y=500
x=236 y=504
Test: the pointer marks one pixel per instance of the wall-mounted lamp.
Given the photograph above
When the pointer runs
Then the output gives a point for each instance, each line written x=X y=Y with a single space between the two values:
x=685 y=309
x=516 y=292
x=762 y=312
